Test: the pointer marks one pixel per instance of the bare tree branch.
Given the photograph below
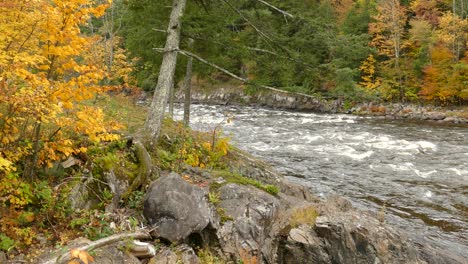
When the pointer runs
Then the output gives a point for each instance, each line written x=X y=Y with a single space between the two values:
x=159 y=30
x=244 y=80
x=275 y=8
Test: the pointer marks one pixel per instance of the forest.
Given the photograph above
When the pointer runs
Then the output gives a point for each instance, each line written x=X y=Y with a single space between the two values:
x=70 y=70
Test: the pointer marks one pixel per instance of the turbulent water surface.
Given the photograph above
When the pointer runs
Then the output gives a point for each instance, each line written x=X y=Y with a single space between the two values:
x=418 y=171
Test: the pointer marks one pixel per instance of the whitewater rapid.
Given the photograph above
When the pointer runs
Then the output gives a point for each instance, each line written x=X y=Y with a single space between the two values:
x=417 y=171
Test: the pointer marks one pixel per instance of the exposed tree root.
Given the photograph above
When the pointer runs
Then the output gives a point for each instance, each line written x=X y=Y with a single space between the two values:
x=145 y=169
x=67 y=257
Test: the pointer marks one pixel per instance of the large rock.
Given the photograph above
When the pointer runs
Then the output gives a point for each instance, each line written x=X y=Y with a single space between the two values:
x=176 y=209
x=345 y=235
x=302 y=246
x=251 y=235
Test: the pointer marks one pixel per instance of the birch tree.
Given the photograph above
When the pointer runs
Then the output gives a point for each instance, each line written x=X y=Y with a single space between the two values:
x=166 y=73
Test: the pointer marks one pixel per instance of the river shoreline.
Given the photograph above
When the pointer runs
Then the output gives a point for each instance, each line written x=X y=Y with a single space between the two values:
x=235 y=95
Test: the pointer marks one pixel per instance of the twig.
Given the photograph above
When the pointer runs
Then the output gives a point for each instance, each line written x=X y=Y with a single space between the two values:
x=79 y=178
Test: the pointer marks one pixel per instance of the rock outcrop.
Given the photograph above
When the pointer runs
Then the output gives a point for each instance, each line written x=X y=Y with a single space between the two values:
x=259 y=228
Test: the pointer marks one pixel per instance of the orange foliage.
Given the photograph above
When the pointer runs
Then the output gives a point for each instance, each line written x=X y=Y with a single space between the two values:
x=444 y=80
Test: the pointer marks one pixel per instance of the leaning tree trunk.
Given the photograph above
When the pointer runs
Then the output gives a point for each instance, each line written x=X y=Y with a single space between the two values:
x=166 y=73
x=188 y=87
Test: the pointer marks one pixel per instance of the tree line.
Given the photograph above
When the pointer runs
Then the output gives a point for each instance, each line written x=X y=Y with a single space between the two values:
x=398 y=50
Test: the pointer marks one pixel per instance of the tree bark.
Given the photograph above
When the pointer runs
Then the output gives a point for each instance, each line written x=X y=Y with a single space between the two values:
x=188 y=87
x=171 y=101
x=166 y=73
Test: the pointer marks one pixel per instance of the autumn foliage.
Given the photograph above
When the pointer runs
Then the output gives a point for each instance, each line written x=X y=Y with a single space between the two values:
x=421 y=48
x=47 y=75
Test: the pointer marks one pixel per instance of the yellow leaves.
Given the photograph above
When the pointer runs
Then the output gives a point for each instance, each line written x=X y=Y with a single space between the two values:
x=14 y=192
x=368 y=77
x=81 y=255
x=222 y=146
x=46 y=72
x=6 y=165
x=90 y=122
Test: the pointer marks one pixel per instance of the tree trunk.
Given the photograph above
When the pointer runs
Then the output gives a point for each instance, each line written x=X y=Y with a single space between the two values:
x=166 y=73
x=188 y=87
x=171 y=101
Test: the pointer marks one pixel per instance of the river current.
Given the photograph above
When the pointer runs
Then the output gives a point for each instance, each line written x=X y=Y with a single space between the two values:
x=417 y=172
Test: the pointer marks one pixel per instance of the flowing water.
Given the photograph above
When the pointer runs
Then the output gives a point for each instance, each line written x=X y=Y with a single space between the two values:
x=419 y=171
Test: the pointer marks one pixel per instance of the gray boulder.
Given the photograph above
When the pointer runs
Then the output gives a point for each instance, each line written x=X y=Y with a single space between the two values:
x=252 y=232
x=302 y=246
x=345 y=235
x=176 y=209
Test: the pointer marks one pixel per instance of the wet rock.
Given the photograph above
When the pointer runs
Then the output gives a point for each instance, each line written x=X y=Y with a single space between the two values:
x=354 y=237
x=434 y=116
x=176 y=208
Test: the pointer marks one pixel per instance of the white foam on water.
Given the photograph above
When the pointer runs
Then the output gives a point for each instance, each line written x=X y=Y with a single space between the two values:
x=260 y=146
x=423 y=174
x=427 y=145
x=428 y=194
x=384 y=142
x=355 y=155
x=296 y=147
x=401 y=167
x=325 y=121
x=458 y=172
x=336 y=136
x=310 y=139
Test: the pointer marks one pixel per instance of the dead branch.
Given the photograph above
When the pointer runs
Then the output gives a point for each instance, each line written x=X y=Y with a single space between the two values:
x=276 y=8
x=248 y=21
x=159 y=30
x=244 y=80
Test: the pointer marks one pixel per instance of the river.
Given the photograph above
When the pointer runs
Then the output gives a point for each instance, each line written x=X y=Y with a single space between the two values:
x=416 y=172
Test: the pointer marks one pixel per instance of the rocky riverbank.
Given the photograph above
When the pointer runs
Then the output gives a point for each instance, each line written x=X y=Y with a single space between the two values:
x=235 y=95
x=250 y=214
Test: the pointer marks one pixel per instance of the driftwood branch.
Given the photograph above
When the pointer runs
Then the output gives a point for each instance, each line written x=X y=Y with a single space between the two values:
x=244 y=80
x=67 y=257
x=276 y=8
